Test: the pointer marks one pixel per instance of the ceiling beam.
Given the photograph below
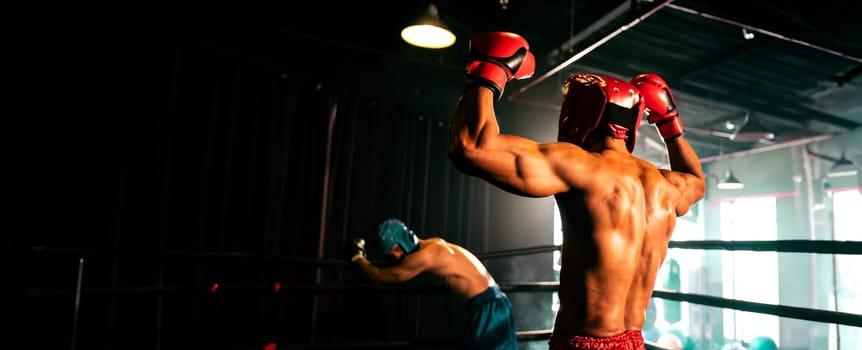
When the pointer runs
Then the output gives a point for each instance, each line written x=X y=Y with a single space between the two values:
x=638 y=19
x=797 y=142
x=772 y=106
x=553 y=57
x=848 y=76
x=766 y=32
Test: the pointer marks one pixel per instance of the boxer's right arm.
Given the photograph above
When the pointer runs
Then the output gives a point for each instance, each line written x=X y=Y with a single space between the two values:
x=476 y=147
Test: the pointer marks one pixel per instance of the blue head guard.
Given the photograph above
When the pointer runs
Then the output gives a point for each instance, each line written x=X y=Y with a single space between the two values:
x=394 y=231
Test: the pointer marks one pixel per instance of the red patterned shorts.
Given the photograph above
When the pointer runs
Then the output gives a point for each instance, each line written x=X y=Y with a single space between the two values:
x=628 y=340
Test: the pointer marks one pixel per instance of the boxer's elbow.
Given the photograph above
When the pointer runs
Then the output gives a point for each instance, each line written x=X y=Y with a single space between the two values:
x=456 y=149
x=698 y=189
x=463 y=156
x=694 y=192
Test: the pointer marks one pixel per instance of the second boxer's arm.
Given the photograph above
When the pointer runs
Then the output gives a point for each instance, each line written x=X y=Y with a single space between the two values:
x=515 y=164
x=410 y=266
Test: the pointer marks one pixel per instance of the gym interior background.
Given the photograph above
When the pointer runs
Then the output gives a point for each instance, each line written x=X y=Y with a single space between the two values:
x=227 y=152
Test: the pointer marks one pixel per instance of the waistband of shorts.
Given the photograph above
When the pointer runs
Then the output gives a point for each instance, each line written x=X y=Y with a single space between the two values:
x=486 y=296
x=630 y=339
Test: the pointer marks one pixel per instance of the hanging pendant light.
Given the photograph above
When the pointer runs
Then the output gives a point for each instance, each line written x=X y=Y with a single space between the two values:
x=730 y=182
x=428 y=31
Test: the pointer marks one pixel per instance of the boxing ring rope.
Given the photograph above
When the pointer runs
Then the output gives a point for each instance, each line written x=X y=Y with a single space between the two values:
x=787 y=246
x=781 y=246
x=800 y=313
x=518 y=252
x=190 y=254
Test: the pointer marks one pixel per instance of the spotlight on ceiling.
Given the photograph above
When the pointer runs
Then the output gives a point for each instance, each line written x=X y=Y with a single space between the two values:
x=428 y=31
x=730 y=182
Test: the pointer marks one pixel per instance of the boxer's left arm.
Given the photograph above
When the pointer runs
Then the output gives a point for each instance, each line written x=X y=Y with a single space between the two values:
x=691 y=183
x=410 y=266
x=687 y=173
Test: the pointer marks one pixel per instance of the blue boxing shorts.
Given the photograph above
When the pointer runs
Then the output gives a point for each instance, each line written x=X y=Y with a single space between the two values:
x=490 y=321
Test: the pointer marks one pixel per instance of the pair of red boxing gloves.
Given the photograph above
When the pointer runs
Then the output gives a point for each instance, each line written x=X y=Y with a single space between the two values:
x=498 y=57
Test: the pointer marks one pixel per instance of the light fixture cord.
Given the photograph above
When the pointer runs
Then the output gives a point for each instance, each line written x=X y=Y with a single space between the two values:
x=572 y=25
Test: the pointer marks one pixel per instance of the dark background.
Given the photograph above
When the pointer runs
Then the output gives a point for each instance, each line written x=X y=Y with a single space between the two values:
x=175 y=147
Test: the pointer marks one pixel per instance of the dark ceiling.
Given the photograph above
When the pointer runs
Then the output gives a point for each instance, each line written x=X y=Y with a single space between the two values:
x=797 y=73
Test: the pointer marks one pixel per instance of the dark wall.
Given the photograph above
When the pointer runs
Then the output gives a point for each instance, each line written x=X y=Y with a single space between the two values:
x=211 y=156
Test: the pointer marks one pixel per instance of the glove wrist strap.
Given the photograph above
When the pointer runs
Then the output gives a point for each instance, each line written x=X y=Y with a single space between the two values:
x=489 y=74
x=671 y=128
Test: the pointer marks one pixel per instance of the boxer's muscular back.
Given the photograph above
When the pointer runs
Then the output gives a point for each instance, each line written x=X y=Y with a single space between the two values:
x=615 y=239
x=459 y=268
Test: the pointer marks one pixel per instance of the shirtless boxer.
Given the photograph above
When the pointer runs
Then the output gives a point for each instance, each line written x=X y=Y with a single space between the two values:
x=618 y=211
x=490 y=323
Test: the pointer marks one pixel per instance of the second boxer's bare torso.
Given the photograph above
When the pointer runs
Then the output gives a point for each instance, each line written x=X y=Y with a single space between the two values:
x=615 y=239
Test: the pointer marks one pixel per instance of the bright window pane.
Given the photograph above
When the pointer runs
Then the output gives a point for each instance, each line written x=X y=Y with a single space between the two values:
x=688 y=263
x=749 y=276
x=848 y=227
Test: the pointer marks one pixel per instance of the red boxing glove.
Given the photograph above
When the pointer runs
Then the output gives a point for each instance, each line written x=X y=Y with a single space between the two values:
x=496 y=58
x=660 y=107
